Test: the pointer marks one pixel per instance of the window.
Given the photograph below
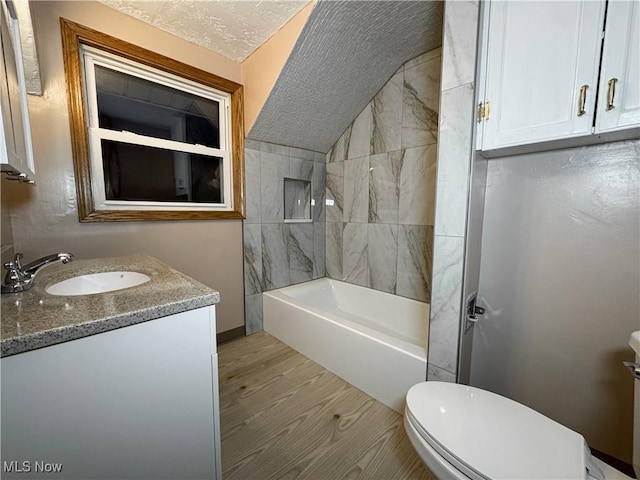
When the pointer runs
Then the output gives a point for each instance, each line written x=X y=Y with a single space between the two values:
x=153 y=139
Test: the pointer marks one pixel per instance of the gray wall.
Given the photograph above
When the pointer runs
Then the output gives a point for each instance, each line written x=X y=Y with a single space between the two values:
x=45 y=220
x=6 y=231
x=560 y=278
x=278 y=254
x=381 y=186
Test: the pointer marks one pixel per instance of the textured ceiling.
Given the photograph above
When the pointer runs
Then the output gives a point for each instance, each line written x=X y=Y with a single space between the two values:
x=345 y=54
x=233 y=28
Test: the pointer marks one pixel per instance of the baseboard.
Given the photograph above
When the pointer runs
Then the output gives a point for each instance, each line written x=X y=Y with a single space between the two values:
x=229 y=335
x=616 y=463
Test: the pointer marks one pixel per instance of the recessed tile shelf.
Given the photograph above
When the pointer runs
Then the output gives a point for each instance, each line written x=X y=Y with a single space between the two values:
x=297 y=201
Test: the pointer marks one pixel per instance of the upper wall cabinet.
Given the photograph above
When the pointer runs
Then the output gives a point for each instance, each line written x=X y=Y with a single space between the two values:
x=543 y=78
x=16 y=157
x=619 y=101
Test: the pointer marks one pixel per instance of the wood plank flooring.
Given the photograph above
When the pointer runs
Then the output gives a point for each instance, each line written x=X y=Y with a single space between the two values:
x=285 y=417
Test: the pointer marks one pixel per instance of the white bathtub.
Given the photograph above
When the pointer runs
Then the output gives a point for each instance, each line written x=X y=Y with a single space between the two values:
x=374 y=340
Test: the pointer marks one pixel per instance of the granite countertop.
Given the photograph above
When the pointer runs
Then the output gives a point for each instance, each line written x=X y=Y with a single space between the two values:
x=35 y=319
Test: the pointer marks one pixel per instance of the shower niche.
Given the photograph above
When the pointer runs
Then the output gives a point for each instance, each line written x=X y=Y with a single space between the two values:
x=297 y=201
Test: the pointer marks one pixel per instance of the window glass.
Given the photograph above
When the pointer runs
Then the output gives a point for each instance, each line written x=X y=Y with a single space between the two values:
x=141 y=173
x=132 y=104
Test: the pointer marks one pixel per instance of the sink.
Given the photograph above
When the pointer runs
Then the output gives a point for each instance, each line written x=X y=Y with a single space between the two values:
x=97 y=283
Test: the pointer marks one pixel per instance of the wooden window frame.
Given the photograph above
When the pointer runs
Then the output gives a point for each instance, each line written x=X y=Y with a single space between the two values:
x=74 y=36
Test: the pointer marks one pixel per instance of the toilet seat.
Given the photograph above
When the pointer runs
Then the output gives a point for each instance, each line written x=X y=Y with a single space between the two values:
x=487 y=436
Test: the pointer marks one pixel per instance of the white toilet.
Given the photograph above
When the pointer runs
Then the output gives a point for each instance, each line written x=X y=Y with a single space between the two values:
x=462 y=432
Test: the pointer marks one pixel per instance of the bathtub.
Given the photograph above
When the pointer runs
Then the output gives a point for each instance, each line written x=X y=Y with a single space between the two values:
x=374 y=340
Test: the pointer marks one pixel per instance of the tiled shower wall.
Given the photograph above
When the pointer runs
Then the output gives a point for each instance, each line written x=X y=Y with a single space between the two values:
x=381 y=186
x=277 y=254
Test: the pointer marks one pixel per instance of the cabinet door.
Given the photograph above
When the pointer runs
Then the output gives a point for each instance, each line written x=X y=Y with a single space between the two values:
x=134 y=403
x=619 y=100
x=540 y=55
x=16 y=155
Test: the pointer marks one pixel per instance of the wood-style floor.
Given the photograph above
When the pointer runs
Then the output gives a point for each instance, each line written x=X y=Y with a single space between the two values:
x=284 y=417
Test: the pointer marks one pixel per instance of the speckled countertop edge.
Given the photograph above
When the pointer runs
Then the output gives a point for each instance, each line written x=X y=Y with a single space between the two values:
x=35 y=319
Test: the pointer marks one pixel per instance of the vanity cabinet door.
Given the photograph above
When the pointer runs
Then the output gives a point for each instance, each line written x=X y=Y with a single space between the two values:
x=136 y=402
x=541 y=71
x=619 y=100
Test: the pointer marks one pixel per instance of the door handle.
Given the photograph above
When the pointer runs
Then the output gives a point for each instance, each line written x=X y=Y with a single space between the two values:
x=611 y=93
x=582 y=100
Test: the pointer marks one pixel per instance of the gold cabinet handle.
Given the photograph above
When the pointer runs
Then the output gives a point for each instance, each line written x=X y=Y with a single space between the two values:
x=582 y=100
x=611 y=93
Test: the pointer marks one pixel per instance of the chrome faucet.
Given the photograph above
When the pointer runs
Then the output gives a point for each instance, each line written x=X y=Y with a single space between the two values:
x=19 y=278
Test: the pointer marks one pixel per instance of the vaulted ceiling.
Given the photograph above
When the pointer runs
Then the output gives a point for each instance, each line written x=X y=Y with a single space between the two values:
x=345 y=54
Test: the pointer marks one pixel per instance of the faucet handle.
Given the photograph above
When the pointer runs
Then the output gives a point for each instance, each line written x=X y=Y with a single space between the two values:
x=17 y=261
x=15 y=264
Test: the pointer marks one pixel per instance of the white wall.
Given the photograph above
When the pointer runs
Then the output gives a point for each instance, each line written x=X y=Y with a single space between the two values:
x=560 y=278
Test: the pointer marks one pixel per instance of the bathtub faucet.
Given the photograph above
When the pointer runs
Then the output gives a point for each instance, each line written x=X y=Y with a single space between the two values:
x=19 y=278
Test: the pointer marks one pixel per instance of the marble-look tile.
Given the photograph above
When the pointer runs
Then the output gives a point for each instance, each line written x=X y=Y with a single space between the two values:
x=273 y=169
x=252 y=239
x=355 y=265
x=356 y=190
x=384 y=182
x=274 y=148
x=420 y=104
x=300 y=169
x=438 y=374
x=418 y=186
x=319 y=249
x=253 y=313
x=301 y=153
x=320 y=157
x=334 y=242
x=252 y=185
x=251 y=144
x=423 y=57
x=414 y=261
x=298 y=276
x=360 y=138
x=301 y=248
x=334 y=191
x=444 y=327
x=318 y=192
x=382 y=251
x=459 y=43
x=454 y=159
x=386 y=116
x=275 y=255
x=340 y=150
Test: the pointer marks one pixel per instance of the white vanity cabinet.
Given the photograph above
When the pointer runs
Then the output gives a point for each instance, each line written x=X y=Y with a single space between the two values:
x=16 y=156
x=542 y=71
x=139 y=402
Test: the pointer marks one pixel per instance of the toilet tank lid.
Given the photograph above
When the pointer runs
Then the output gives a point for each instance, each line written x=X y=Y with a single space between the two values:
x=492 y=436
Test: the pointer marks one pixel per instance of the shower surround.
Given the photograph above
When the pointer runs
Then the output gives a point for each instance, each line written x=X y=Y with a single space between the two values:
x=373 y=194
x=381 y=186
x=278 y=254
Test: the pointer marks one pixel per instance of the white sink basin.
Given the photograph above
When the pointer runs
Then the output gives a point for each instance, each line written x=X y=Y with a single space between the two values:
x=97 y=283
